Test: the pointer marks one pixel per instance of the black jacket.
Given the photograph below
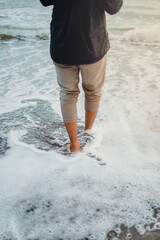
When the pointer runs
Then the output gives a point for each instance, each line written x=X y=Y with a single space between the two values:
x=78 y=29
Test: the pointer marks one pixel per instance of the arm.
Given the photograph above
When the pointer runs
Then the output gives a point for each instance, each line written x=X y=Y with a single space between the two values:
x=46 y=3
x=112 y=6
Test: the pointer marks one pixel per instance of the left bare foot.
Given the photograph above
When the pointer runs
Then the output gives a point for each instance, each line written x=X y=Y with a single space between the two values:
x=75 y=147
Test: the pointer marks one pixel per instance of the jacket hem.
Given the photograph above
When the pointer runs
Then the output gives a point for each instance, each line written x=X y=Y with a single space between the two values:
x=80 y=63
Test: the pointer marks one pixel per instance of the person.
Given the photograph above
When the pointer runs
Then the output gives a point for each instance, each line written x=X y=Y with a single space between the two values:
x=79 y=44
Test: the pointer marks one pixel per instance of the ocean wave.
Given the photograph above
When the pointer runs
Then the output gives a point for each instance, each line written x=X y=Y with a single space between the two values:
x=17 y=27
x=143 y=35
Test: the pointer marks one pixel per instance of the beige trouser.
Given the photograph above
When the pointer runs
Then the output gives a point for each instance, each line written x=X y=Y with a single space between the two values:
x=93 y=78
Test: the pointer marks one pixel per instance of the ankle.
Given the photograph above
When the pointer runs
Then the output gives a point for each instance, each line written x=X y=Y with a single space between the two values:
x=75 y=142
x=87 y=128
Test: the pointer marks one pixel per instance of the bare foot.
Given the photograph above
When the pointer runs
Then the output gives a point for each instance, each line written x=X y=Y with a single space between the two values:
x=75 y=147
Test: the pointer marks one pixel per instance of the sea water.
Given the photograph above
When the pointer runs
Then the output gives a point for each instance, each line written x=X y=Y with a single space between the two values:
x=45 y=193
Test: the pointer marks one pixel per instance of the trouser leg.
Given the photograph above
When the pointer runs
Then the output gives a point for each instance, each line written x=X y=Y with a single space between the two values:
x=93 y=78
x=68 y=79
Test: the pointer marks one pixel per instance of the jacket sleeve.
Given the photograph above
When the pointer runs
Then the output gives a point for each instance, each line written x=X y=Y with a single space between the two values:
x=46 y=3
x=112 y=6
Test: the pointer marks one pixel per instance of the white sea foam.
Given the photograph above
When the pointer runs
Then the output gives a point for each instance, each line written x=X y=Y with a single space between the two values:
x=82 y=196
